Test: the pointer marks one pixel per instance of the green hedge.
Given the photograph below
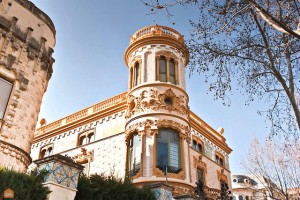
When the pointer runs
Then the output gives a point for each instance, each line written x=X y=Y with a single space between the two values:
x=25 y=187
x=100 y=187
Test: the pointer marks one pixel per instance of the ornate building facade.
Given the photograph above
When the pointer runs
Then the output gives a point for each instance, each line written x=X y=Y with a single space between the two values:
x=27 y=39
x=148 y=132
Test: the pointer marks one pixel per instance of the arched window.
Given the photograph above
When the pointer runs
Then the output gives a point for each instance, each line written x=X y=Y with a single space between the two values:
x=82 y=140
x=219 y=159
x=247 y=198
x=166 y=70
x=197 y=146
x=240 y=197
x=86 y=137
x=136 y=73
x=43 y=152
x=168 y=150
x=46 y=151
x=162 y=69
x=91 y=138
x=134 y=155
x=172 y=71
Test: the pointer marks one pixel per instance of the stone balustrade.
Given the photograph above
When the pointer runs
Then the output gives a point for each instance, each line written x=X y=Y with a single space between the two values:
x=155 y=31
x=82 y=114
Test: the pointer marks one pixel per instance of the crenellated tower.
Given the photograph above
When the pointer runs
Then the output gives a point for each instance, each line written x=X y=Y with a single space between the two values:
x=157 y=119
x=27 y=39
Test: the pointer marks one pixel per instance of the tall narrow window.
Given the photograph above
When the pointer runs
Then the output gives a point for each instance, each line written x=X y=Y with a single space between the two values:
x=200 y=176
x=172 y=71
x=168 y=151
x=134 y=155
x=162 y=69
x=5 y=90
x=136 y=74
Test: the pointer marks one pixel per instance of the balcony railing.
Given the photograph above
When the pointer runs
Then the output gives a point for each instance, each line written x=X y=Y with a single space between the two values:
x=156 y=31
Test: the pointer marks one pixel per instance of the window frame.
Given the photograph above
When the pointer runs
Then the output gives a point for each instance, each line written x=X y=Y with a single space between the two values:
x=85 y=135
x=168 y=58
x=46 y=149
x=199 y=142
x=5 y=104
x=131 y=150
x=168 y=138
x=219 y=159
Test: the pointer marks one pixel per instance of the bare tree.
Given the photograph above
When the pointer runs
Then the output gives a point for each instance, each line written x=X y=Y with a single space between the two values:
x=276 y=166
x=254 y=43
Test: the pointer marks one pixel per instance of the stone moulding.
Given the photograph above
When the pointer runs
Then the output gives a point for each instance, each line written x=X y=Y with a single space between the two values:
x=15 y=152
x=150 y=100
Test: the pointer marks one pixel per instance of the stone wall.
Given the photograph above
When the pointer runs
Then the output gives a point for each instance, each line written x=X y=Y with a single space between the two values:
x=27 y=39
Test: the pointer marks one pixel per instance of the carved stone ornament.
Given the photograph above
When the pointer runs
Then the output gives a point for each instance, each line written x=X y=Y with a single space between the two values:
x=222 y=176
x=183 y=130
x=84 y=157
x=199 y=164
x=151 y=100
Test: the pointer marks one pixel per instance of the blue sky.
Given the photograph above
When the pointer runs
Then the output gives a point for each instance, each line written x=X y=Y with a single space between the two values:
x=91 y=40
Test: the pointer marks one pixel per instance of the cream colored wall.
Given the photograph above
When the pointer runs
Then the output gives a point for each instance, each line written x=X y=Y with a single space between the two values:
x=29 y=70
x=147 y=55
x=104 y=127
x=212 y=179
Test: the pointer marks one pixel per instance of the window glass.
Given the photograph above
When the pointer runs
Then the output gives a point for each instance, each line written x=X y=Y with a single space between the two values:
x=82 y=140
x=162 y=69
x=134 y=155
x=137 y=74
x=168 y=150
x=91 y=138
x=172 y=71
x=5 y=90
x=43 y=153
x=200 y=176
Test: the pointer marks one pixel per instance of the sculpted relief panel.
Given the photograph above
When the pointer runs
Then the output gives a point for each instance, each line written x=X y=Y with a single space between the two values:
x=150 y=100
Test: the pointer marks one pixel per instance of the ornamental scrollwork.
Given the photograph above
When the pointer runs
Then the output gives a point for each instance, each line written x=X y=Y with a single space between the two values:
x=84 y=157
x=198 y=163
x=152 y=100
x=222 y=176
x=183 y=130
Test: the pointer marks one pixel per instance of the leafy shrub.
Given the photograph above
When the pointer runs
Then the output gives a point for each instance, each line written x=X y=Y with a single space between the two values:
x=102 y=187
x=25 y=187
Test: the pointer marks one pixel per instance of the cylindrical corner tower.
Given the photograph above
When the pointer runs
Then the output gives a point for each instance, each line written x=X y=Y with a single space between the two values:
x=157 y=120
x=27 y=39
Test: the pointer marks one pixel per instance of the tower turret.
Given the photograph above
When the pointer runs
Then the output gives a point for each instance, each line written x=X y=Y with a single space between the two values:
x=157 y=120
x=27 y=39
